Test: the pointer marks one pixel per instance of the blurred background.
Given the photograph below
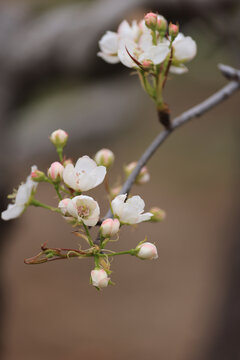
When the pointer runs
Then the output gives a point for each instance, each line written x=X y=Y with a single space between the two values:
x=185 y=306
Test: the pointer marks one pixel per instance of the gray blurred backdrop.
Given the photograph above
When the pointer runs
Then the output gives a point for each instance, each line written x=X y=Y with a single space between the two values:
x=185 y=306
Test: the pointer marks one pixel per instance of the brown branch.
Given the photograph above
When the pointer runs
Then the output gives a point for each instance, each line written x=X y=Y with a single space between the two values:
x=196 y=111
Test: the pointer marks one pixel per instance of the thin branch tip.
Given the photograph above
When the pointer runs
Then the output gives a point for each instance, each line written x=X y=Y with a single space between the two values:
x=229 y=72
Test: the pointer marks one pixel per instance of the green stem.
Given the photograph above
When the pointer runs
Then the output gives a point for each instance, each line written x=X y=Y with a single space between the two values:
x=88 y=234
x=64 y=190
x=132 y=252
x=96 y=260
x=60 y=153
x=37 y=203
x=56 y=187
x=154 y=37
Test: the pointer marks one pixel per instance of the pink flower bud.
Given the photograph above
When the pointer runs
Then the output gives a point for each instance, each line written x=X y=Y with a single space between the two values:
x=55 y=171
x=109 y=227
x=99 y=278
x=38 y=176
x=104 y=157
x=147 y=251
x=173 y=30
x=158 y=214
x=147 y=64
x=151 y=20
x=142 y=178
x=59 y=138
x=63 y=204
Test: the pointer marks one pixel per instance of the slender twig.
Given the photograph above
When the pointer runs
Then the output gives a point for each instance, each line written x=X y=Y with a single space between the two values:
x=196 y=111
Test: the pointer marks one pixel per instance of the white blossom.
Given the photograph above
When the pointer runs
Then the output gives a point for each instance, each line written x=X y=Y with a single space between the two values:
x=22 y=198
x=85 y=175
x=135 y=40
x=83 y=208
x=99 y=278
x=147 y=251
x=131 y=211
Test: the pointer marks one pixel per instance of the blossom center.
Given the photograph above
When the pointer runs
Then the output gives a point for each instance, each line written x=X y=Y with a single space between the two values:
x=83 y=211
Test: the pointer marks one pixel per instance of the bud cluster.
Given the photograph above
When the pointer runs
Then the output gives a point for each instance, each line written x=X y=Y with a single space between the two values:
x=83 y=212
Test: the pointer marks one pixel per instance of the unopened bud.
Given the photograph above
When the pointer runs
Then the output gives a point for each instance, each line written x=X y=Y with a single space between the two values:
x=158 y=214
x=104 y=157
x=109 y=228
x=63 y=205
x=173 y=30
x=38 y=176
x=59 y=138
x=151 y=20
x=142 y=178
x=147 y=64
x=147 y=251
x=161 y=25
x=99 y=278
x=55 y=171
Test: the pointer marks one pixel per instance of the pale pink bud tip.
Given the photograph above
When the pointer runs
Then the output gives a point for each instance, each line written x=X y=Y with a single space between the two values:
x=55 y=171
x=173 y=30
x=63 y=205
x=104 y=157
x=147 y=64
x=110 y=227
x=59 y=137
x=147 y=251
x=150 y=20
x=99 y=278
x=37 y=176
x=34 y=174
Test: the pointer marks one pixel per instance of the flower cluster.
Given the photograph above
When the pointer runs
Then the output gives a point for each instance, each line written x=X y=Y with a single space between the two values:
x=154 y=49
x=147 y=44
x=82 y=211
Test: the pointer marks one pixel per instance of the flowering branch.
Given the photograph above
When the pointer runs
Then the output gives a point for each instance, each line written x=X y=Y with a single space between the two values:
x=153 y=48
x=196 y=111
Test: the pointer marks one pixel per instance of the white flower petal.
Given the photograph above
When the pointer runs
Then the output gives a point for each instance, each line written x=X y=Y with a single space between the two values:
x=185 y=48
x=136 y=202
x=72 y=209
x=98 y=174
x=85 y=164
x=124 y=45
x=12 y=212
x=144 y=217
x=125 y=30
x=109 y=43
x=156 y=54
x=69 y=177
x=118 y=203
x=145 y=41
x=23 y=194
x=178 y=69
x=111 y=59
